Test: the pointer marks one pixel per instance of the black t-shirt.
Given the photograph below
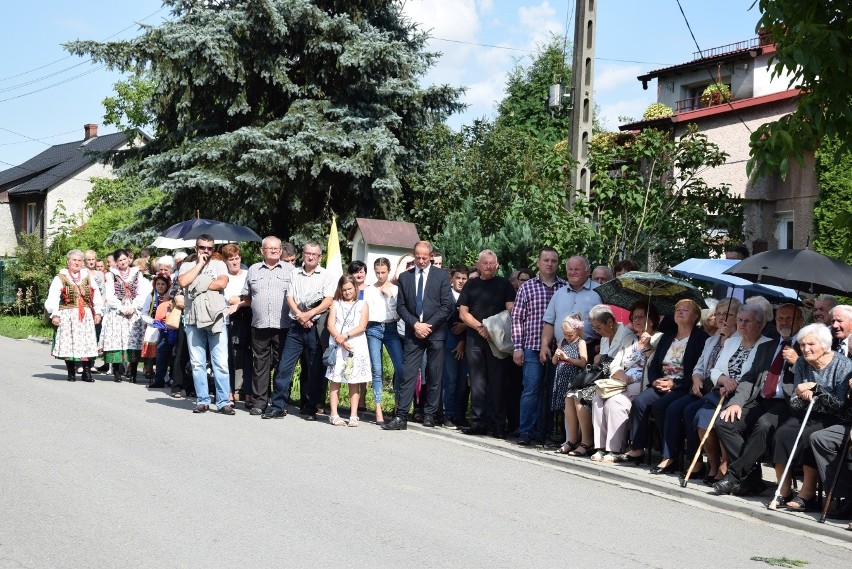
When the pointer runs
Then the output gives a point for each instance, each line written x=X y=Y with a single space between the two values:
x=485 y=298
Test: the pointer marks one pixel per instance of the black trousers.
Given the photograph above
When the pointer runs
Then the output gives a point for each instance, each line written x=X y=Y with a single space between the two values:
x=266 y=346
x=180 y=379
x=488 y=382
x=747 y=438
x=413 y=350
x=826 y=445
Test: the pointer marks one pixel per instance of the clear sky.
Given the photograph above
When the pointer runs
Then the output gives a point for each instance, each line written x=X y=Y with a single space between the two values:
x=47 y=96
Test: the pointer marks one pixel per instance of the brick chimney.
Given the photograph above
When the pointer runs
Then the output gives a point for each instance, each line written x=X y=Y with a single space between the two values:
x=90 y=130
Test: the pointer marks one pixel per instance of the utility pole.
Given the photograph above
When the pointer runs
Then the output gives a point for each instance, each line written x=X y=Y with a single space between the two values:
x=583 y=73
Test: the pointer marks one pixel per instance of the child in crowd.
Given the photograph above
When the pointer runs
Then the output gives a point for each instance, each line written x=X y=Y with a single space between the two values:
x=570 y=358
x=347 y=323
x=155 y=306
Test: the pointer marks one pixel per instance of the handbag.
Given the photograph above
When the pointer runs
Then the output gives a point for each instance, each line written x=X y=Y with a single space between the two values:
x=607 y=387
x=329 y=356
x=173 y=317
x=591 y=374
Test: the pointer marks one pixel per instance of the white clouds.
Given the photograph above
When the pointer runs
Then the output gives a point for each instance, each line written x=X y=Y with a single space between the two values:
x=609 y=112
x=610 y=76
x=450 y=19
x=539 y=23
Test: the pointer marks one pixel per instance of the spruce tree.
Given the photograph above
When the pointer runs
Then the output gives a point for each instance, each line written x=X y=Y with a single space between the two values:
x=276 y=113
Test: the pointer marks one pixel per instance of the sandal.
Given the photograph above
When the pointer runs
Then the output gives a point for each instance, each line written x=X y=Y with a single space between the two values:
x=567 y=448
x=781 y=501
x=802 y=504
x=353 y=421
x=176 y=394
x=581 y=450
x=336 y=421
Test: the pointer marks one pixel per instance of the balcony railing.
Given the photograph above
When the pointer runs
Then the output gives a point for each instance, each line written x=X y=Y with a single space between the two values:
x=722 y=49
x=686 y=105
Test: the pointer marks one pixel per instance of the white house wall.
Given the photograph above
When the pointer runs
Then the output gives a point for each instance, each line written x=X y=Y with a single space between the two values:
x=8 y=239
x=72 y=193
x=764 y=84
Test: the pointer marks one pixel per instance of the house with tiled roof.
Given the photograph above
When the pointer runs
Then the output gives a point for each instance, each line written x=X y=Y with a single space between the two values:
x=374 y=238
x=31 y=192
x=778 y=213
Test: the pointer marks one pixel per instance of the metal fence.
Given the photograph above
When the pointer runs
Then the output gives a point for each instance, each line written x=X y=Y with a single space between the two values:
x=7 y=288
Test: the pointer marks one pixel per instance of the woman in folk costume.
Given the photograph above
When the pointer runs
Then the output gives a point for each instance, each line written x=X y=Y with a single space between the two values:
x=74 y=303
x=122 y=329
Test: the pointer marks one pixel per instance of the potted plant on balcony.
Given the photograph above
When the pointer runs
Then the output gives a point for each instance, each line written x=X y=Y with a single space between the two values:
x=716 y=94
x=657 y=111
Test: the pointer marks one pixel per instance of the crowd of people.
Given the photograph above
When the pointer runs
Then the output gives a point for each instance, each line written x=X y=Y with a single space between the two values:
x=481 y=353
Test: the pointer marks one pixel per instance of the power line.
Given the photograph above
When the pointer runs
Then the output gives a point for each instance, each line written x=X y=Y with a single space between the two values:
x=534 y=51
x=713 y=79
x=40 y=67
x=43 y=77
x=98 y=68
x=43 y=138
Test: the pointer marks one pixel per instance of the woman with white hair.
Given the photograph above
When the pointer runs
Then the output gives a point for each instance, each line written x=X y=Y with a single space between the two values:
x=821 y=376
x=74 y=304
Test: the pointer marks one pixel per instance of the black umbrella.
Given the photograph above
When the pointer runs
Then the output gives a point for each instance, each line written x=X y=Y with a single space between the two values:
x=219 y=230
x=800 y=269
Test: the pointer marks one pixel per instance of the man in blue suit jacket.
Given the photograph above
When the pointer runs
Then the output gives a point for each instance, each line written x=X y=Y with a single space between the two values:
x=424 y=303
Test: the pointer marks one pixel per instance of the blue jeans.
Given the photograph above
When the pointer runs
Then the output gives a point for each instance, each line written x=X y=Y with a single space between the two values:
x=455 y=382
x=379 y=334
x=198 y=341
x=533 y=376
x=164 y=354
x=300 y=341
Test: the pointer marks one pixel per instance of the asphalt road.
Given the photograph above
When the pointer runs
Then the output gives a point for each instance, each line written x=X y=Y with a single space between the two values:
x=113 y=475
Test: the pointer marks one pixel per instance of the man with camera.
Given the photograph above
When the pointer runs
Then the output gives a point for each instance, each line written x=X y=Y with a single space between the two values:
x=310 y=295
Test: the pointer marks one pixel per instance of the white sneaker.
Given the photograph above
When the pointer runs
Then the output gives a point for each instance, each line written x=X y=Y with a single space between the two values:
x=599 y=456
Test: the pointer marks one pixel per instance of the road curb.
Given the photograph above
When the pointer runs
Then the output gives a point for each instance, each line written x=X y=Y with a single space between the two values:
x=668 y=486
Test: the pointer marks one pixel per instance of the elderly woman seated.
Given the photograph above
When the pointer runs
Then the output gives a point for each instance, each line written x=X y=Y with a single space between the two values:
x=822 y=380
x=669 y=373
x=735 y=359
x=610 y=412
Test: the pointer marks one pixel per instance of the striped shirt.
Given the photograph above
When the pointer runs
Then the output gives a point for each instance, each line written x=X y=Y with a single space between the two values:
x=530 y=304
x=267 y=287
x=311 y=288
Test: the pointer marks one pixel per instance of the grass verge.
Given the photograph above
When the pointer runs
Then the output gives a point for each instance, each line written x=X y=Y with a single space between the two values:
x=24 y=326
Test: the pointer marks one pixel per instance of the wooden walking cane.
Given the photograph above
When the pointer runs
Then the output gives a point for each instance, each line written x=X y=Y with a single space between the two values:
x=695 y=458
x=841 y=463
x=773 y=505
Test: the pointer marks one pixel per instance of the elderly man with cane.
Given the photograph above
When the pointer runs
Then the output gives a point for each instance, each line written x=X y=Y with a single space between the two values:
x=759 y=405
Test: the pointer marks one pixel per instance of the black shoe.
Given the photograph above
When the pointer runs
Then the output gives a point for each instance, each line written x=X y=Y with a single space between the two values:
x=418 y=417
x=524 y=440
x=396 y=424
x=428 y=421
x=726 y=485
x=274 y=414
x=227 y=410
x=71 y=378
x=499 y=432
x=749 y=488
x=156 y=384
x=477 y=429
x=670 y=468
x=200 y=408
x=255 y=411
x=102 y=369
x=87 y=376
